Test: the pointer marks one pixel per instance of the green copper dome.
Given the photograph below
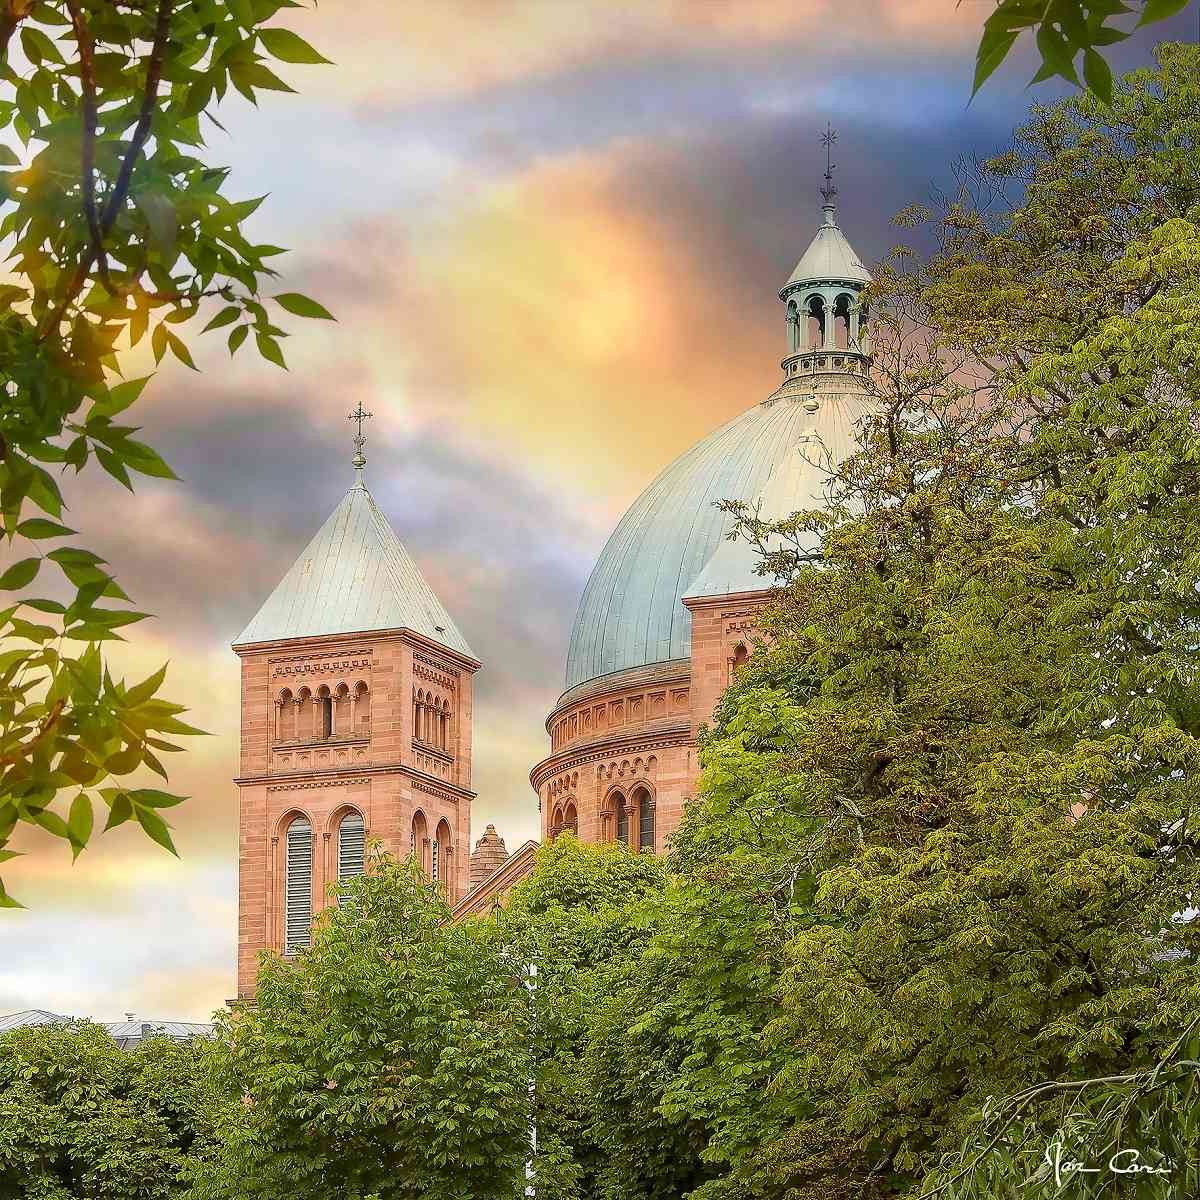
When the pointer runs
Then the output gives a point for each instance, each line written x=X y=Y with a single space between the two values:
x=632 y=612
x=775 y=457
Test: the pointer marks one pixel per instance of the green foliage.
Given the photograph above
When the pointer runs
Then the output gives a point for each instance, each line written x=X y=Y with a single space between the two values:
x=1066 y=32
x=80 y=1118
x=390 y=1059
x=956 y=785
x=1135 y=1135
x=578 y=919
x=115 y=230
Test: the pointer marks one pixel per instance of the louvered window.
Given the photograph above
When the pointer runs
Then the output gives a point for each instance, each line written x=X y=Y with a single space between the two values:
x=435 y=847
x=646 y=823
x=352 y=838
x=298 y=889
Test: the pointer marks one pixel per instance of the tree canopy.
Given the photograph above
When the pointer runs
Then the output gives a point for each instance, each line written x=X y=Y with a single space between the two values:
x=115 y=230
x=82 y=1120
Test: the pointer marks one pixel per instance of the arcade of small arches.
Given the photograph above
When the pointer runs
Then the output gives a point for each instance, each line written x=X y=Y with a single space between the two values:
x=826 y=319
x=626 y=811
x=434 y=854
x=432 y=716
x=627 y=815
x=323 y=714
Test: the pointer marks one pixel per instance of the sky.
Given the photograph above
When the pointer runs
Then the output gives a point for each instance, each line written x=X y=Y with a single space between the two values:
x=552 y=233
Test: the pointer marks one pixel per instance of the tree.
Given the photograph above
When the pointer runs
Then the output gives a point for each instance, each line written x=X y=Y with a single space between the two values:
x=1064 y=31
x=1135 y=1131
x=390 y=1059
x=82 y=1120
x=974 y=719
x=581 y=919
x=114 y=229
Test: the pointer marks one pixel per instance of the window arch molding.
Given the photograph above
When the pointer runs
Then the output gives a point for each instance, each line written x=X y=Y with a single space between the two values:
x=613 y=814
x=346 y=837
x=294 y=835
x=419 y=837
x=643 y=801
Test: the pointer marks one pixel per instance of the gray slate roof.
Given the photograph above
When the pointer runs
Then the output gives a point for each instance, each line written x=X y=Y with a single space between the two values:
x=354 y=576
x=31 y=1016
x=829 y=256
x=126 y=1034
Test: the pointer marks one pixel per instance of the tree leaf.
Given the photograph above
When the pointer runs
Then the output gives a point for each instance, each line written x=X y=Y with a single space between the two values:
x=156 y=827
x=268 y=347
x=226 y=316
x=120 y=810
x=303 y=306
x=993 y=49
x=289 y=47
x=80 y=820
x=1160 y=10
x=20 y=574
x=42 y=527
x=1098 y=75
x=153 y=798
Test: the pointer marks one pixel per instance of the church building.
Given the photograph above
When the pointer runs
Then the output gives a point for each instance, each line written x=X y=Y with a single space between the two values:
x=356 y=684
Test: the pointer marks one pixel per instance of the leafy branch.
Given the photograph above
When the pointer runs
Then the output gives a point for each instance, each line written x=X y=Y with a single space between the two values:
x=114 y=228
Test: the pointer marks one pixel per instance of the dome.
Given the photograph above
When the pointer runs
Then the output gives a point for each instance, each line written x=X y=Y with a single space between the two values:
x=631 y=614
x=829 y=257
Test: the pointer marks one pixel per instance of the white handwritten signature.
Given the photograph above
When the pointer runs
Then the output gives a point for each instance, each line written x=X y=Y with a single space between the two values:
x=1123 y=1162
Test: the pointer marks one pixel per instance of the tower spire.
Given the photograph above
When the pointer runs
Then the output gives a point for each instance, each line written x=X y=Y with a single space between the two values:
x=829 y=191
x=358 y=416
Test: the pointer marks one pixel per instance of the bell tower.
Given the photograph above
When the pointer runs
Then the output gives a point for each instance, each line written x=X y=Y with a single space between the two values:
x=356 y=711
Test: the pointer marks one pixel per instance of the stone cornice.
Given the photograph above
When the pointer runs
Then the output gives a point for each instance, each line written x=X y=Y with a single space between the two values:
x=331 y=776
x=346 y=643
x=678 y=670
x=674 y=732
x=730 y=599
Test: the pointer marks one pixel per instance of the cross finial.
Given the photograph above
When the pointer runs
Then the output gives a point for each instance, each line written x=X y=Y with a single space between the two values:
x=358 y=416
x=828 y=138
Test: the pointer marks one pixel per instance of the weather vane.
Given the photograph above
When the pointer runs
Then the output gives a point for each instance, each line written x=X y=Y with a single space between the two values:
x=359 y=416
x=827 y=140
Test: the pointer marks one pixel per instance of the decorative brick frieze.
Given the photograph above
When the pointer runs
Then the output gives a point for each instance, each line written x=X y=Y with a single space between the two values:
x=313 y=664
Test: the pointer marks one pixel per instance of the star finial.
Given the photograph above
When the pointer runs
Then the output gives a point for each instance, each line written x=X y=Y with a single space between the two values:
x=828 y=138
x=358 y=416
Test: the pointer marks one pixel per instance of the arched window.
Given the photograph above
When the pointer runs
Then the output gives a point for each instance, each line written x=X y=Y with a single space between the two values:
x=445 y=722
x=570 y=819
x=297 y=892
x=362 y=711
x=285 y=717
x=740 y=657
x=645 y=810
x=304 y=715
x=841 y=321
x=618 y=801
x=352 y=845
x=793 y=322
x=420 y=836
x=341 y=711
x=814 y=337
x=556 y=821
x=441 y=855
x=324 y=714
